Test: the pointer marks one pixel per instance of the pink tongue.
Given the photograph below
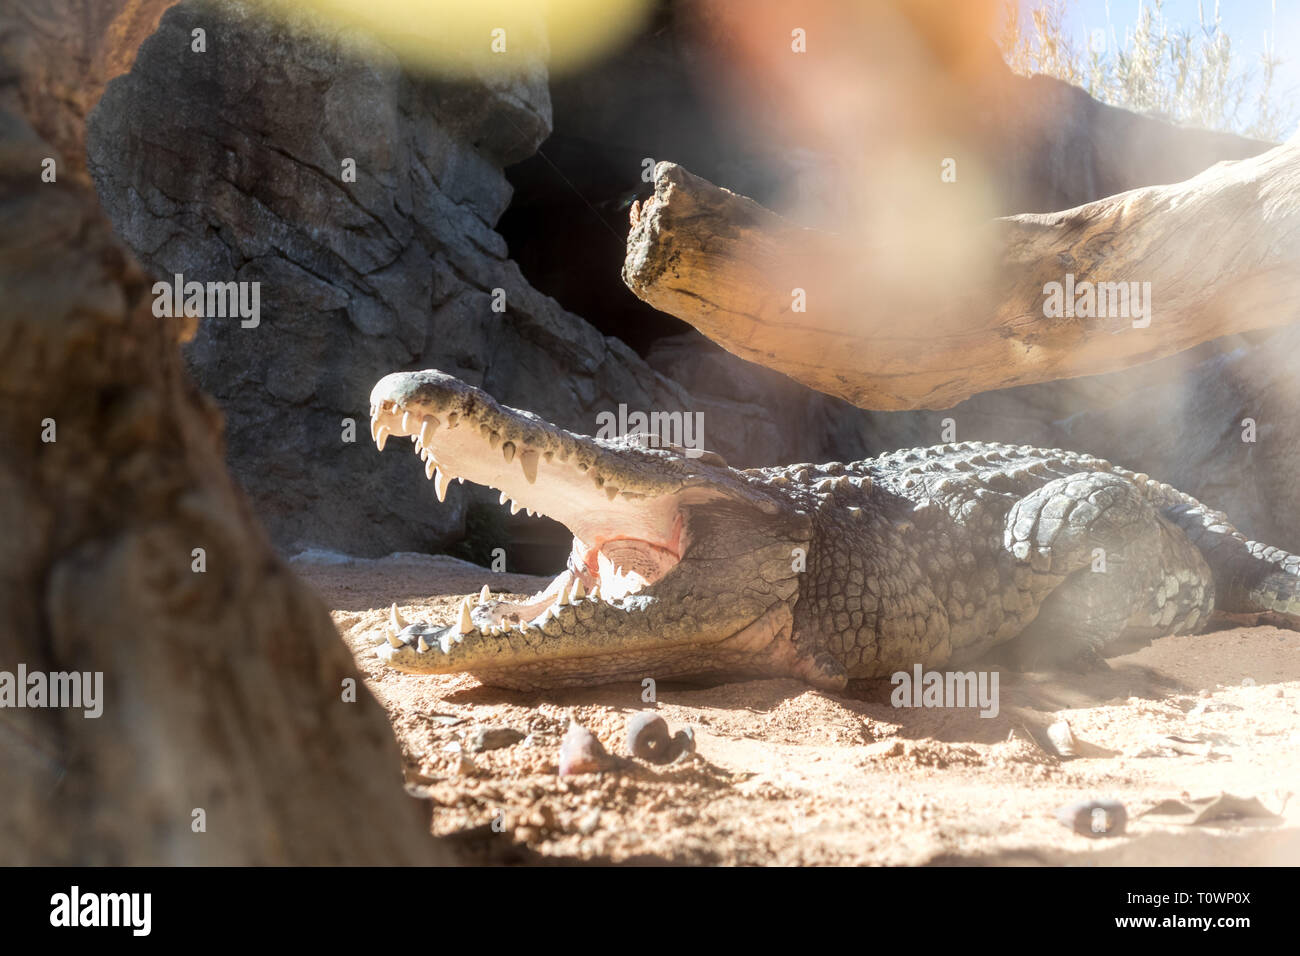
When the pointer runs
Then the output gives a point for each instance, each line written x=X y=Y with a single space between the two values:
x=640 y=557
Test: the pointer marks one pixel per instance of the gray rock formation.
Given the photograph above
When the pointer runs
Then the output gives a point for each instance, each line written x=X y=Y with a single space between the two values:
x=222 y=168
x=801 y=425
x=1049 y=145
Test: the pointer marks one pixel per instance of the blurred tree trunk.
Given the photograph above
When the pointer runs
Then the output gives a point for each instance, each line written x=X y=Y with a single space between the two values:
x=235 y=728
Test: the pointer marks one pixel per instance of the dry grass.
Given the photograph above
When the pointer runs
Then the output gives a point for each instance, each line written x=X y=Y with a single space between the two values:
x=1188 y=76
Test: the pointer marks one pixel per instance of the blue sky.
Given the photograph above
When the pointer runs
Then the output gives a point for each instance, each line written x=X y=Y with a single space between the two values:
x=1246 y=22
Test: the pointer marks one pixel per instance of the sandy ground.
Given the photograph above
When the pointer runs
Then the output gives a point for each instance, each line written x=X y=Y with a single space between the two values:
x=784 y=774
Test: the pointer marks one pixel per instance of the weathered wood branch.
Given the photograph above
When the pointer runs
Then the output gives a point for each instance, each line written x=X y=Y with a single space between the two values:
x=1214 y=255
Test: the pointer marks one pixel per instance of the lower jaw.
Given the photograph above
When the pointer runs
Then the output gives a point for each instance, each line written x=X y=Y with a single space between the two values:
x=629 y=667
x=759 y=651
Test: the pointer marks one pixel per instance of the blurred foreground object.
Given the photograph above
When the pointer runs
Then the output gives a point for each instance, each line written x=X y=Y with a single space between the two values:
x=452 y=37
x=234 y=727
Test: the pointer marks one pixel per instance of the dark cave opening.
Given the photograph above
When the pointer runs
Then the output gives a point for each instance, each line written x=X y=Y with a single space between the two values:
x=567 y=223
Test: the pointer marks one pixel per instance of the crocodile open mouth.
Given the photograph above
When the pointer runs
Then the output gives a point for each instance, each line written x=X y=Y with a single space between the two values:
x=628 y=505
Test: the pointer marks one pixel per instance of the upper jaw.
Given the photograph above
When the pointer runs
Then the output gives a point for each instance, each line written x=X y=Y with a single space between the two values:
x=597 y=488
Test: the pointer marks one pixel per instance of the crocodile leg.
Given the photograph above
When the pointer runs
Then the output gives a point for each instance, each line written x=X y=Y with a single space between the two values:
x=1117 y=570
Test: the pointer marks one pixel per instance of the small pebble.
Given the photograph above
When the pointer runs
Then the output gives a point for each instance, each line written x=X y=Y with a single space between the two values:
x=1094 y=818
x=491 y=738
x=648 y=738
x=1212 y=707
x=581 y=752
x=464 y=764
x=884 y=748
x=1061 y=738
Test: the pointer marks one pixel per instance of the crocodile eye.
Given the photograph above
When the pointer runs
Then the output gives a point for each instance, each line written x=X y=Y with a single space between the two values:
x=708 y=457
x=650 y=440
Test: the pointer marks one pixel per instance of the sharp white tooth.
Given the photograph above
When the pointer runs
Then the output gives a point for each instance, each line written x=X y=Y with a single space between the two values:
x=382 y=436
x=430 y=466
x=611 y=492
x=426 y=430
x=577 y=593
x=494 y=439
x=396 y=619
x=464 y=625
x=406 y=422
x=485 y=595
x=422 y=644
x=514 y=507
x=508 y=452
x=392 y=639
x=595 y=592
x=374 y=428
x=504 y=497
x=528 y=460
x=440 y=483
x=561 y=599
x=460 y=479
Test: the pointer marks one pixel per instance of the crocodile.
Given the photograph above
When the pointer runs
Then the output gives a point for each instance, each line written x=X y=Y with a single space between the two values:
x=684 y=567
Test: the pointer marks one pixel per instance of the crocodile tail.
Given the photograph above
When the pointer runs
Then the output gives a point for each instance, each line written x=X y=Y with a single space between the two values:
x=1250 y=577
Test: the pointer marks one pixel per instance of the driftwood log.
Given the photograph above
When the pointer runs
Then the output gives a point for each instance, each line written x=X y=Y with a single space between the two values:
x=1214 y=255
